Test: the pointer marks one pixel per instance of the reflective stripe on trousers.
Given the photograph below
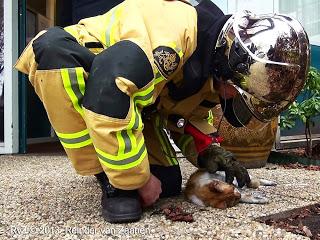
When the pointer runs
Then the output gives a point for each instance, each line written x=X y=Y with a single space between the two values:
x=130 y=153
x=74 y=84
x=125 y=160
x=75 y=140
x=166 y=146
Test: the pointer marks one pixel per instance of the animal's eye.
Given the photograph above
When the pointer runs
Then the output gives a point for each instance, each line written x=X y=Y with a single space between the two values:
x=216 y=190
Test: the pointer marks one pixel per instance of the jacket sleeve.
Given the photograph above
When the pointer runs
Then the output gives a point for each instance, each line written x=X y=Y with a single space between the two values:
x=187 y=146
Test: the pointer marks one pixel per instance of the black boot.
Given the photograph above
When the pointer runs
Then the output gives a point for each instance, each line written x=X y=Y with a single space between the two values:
x=118 y=206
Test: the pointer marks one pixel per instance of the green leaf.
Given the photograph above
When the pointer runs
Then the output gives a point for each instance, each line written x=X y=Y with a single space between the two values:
x=309 y=107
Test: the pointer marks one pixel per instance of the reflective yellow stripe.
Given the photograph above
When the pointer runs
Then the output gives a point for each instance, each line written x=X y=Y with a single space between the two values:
x=111 y=28
x=120 y=143
x=106 y=20
x=142 y=98
x=109 y=21
x=183 y=142
x=75 y=140
x=210 y=117
x=165 y=143
x=125 y=142
x=132 y=138
x=163 y=146
x=158 y=77
x=135 y=121
x=73 y=135
x=71 y=88
x=123 y=161
x=77 y=145
x=126 y=139
x=186 y=143
x=80 y=78
x=178 y=50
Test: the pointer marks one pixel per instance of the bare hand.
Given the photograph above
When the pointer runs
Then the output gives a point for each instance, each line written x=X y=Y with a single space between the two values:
x=150 y=192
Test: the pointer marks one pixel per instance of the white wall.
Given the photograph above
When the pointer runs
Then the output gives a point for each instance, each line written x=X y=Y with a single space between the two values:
x=11 y=119
x=305 y=11
x=257 y=6
x=222 y=4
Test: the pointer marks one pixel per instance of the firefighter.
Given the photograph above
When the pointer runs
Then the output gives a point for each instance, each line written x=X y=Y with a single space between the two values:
x=114 y=85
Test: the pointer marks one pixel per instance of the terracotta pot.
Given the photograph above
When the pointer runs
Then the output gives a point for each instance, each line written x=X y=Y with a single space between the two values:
x=252 y=148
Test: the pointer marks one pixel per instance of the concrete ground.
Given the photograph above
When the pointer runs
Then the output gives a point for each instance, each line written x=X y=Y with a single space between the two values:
x=42 y=198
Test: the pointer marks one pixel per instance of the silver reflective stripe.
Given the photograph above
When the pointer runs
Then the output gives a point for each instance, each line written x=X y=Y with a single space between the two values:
x=124 y=161
x=75 y=140
x=112 y=20
x=167 y=146
x=136 y=120
x=144 y=98
x=141 y=98
x=75 y=84
x=127 y=142
x=158 y=74
x=165 y=142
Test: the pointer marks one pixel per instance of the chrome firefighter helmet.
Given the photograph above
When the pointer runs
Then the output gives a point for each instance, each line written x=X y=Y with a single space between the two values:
x=266 y=58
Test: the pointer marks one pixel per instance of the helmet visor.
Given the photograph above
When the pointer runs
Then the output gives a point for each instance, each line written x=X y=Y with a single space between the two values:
x=262 y=110
x=245 y=116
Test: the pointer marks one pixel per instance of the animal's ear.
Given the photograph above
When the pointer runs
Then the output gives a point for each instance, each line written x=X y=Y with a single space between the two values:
x=216 y=186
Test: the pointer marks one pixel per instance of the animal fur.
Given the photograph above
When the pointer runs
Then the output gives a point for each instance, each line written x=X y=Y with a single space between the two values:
x=205 y=189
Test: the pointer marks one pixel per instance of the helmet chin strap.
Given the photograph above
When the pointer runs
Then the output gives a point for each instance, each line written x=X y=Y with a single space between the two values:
x=224 y=106
x=238 y=60
x=222 y=70
x=227 y=108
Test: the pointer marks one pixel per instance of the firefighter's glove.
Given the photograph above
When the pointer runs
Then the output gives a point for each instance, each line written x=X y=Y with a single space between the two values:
x=215 y=158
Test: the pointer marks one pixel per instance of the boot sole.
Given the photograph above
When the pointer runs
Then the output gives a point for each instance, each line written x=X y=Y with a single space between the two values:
x=123 y=218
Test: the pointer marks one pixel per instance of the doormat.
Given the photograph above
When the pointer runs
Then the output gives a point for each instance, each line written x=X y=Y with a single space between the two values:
x=304 y=221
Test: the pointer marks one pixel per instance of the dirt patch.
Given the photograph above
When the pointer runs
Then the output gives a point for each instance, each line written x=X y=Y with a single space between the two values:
x=301 y=152
x=316 y=151
x=301 y=166
x=304 y=221
x=174 y=213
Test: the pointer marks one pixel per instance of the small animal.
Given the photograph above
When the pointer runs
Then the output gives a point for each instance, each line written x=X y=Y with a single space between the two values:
x=206 y=189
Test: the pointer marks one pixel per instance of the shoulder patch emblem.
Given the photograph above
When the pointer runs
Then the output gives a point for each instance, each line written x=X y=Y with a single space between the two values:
x=166 y=59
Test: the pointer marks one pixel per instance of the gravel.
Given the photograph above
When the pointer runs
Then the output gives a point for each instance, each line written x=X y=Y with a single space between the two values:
x=42 y=198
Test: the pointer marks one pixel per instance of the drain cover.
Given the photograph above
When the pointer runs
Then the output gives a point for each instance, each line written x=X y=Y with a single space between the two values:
x=304 y=221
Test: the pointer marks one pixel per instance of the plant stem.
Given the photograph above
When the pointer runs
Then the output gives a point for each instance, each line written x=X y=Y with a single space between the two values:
x=310 y=137
x=307 y=139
